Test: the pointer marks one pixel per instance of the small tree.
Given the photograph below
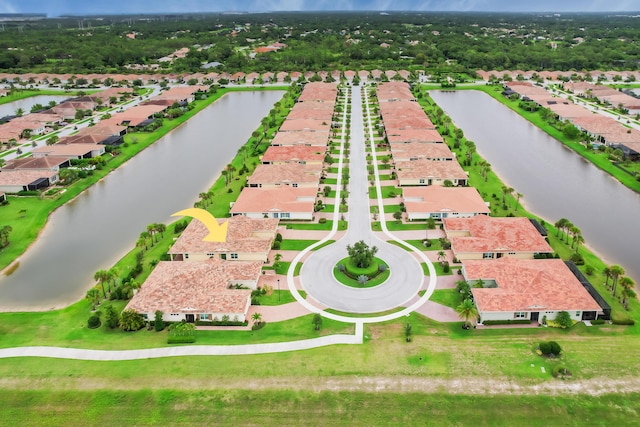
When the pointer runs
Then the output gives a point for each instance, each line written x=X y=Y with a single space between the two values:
x=563 y=319
x=158 y=322
x=407 y=332
x=317 y=321
x=111 y=317
x=397 y=215
x=130 y=320
x=360 y=254
x=93 y=296
x=467 y=311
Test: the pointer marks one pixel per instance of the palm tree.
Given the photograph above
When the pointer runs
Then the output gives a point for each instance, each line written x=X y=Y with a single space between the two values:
x=627 y=290
x=574 y=231
x=93 y=296
x=616 y=272
x=257 y=317
x=559 y=225
x=151 y=229
x=161 y=228
x=578 y=240
x=518 y=196
x=607 y=275
x=101 y=277
x=145 y=236
x=467 y=311
x=442 y=256
x=113 y=276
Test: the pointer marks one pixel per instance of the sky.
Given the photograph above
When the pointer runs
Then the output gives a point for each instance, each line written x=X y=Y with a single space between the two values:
x=82 y=7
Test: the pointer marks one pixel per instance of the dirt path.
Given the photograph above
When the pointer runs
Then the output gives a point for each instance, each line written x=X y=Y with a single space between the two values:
x=370 y=384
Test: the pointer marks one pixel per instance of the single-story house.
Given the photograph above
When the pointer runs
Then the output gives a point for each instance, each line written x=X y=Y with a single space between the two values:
x=414 y=135
x=430 y=172
x=248 y=239
x=73 y=151
x=302 y=154
x=484 y=237
x=314 y=139
x=319 y=92
x=410 y=151
x=518 y=289
x=285 y=175
x=13 y=181
x=193 y=291
x=283 y=203
x=306 y=125
x=37 y=163
x=443 y=202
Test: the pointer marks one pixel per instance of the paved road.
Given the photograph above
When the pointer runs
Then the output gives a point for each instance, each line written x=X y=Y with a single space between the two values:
x=317 y=271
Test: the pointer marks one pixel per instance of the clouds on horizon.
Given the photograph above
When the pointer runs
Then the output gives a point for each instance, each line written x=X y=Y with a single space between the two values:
x=65 y=7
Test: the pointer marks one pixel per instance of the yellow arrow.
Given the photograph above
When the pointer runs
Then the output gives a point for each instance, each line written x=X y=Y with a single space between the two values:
x=217 y=232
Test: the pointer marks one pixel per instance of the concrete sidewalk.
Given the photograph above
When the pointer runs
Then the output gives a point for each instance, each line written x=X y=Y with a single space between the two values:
x=191 y=350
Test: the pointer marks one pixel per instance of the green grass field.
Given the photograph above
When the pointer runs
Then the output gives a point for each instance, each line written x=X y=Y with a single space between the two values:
x=250 y=407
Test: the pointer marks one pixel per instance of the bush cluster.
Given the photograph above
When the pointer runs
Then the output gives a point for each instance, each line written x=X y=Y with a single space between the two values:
x=94 y=322
x=550 y=348
x=181 y=339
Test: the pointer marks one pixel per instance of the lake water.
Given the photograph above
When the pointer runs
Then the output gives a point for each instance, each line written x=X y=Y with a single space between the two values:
x=555 y=181
x=103 y=223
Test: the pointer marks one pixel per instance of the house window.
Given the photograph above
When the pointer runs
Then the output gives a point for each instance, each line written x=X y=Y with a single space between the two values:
x=210 y=254
x=186 y=256
x=294 y=185
x=204 y=316
x=285 y=215
x=145 y=316
x=487 y=255
x=275 y=214
x=520 y=315
x=421 y=180
x=578 y=313
x=233 y=256
x=512 y=253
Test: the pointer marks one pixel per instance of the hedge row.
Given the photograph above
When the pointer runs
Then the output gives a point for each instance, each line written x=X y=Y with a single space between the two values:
x=507 y=322
x=181 y=339
x=220 y=323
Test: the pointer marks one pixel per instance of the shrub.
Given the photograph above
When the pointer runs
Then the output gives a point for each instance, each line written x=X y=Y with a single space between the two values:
x=158 y=323
x=598 y=322
x=94 y=322
x=362 y=279
x=111 y=317
x=275 y=245
x=322 y=220
x=549 y=348
x=179 y=226
x=507 y=322
x=563 y=319
x=258 y=325
x=131 y=320
x=181 y=339
x=577 y=259
x=560 y=372
x=589 y=270
x=341 y=268
x=382 y=268
x=618 y=318
x=445 y=267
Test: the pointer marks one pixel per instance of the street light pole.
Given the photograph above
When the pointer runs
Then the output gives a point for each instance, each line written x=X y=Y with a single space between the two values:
x=278 y=290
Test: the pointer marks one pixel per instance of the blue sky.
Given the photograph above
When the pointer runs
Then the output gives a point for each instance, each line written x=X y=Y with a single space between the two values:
x=83 y=7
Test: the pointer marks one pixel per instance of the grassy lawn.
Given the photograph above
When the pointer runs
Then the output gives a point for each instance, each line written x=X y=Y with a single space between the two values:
x=292 y=407
x=449 y=297
x=387 y=192
x=397 y=226
x=348 y=281
x=330 y=181
x=315 y=226
x=284 y=297
x=295 y=244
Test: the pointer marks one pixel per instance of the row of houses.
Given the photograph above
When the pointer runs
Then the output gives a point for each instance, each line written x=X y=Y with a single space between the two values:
x=41 y=169
x=205 y=78
x=286 y=184
x=420 y=156
x=603 y=129
x=207 y=281
x=559 y=75
x=507 y=261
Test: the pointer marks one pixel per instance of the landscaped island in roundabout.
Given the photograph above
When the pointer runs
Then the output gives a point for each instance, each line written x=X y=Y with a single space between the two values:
x=361 y=269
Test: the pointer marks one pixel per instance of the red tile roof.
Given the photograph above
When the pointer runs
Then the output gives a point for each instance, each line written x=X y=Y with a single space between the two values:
x=265 y=200
x=196 y=287
x=489 y=234
x=527 y=285
x=286 y=174
x=293 y=154
x=244 y=235
x=435 y=198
